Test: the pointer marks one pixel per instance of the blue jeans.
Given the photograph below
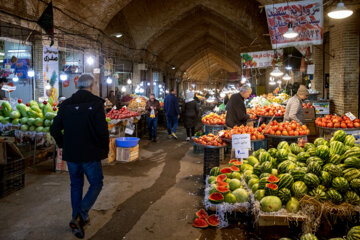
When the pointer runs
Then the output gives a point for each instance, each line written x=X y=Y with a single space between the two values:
x=172 y=123
x=94 y=175
x=152 y=124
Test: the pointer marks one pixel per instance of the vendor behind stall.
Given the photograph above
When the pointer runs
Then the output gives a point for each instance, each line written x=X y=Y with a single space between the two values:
x=294 y=110
x=236 y=110
x=3 y=82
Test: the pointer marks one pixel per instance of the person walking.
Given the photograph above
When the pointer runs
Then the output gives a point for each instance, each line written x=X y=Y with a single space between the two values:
x=191 y=112
x=171 y=107
x=3 y=82
x=294 y=110
x=236 y=110
x=117 y=99
x=152 y=108
x=80 y=129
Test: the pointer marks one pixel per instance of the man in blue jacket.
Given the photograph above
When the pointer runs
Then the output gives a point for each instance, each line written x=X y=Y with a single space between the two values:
x=171 y=107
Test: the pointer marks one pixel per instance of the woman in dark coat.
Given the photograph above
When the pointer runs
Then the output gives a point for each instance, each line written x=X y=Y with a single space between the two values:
x=191 y=112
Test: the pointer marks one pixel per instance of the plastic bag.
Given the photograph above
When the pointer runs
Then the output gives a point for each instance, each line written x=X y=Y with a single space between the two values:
x=152 y=113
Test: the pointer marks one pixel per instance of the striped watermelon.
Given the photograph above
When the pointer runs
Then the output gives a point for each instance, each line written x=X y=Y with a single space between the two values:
x=352 y=198
x=311 y=151
x=335 y=171
x=339 y=135
x=298 y=173
x=252 y=181
x=351 y=153
x=315 y=159
x=301 y=164
x=286 y=181
x=314 y=167
x=245 y=167
x=252 y=160
x=284 y=194
x=303 y=156
x=319 y=194
x=351 y=174
x=266 y=167
x=325 y=178
x=337 y=147
x=349 y=140
x=292 y=157
x=286 y=166
x=257 y=152
x=265 y=175
x=249 y=177
x=311 y=180
x=346 y=148
x=273 y=152
x=320 y=141
x=299 y=189
x=340 y=184
x=263 y=181
x=323 y=152
x=354 y=233
x=334 y=196
x=352 y=162
x=271 y=189
x=335 y=159
x=308 y=236
x=282 y=155
x=283 y=145
x=355 y=185
x=295 y=148
x=257 y=169
x=321 y=187
x=264 y=157
x=327 y=166
x=308 y=145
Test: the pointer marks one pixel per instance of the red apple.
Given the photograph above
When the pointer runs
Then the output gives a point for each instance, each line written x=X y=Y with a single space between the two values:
x=54 y=104
x=45 y=102
x=28 y=104
x=20 y=100
x=55 y=109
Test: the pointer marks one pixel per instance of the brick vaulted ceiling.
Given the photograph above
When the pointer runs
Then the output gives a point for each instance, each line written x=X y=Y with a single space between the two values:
x=198 y=36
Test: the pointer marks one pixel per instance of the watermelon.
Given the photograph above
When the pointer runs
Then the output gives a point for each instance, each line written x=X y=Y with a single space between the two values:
x=334 y=196
x=335 y=159
x=255 y=187
x=286 y=181
x=295 y=148
x=264 y=157
x=200 y=223
x=355 y=185
x=340 y=184
x=272 y=179
x=251 y=176
x=303 y=156
x=335 y=171
x=257 y=152
x=252 y=181
x=292 y=157
x=221 y=178
x=299 y=189
x=252 y=160
x=234 y=184
x=257 y=169
x=292 y=205
x=284 y=194
x=308 y=145
x=321 y=187
x=222 y=189
x=234 y=168
x=230 y=198
x=319 y=194
x=352 y=198
x=273 y=152
x=245 y=167
x=227 y=171
x=270 y=204
x=351 y=174
x=308 y=236
x=311 y=151
x=263 y=181
x=216 y=197
x=259 y=194
x=201 y=214
x=339 y=135
x=314 y=167
x=325 y=178
x=311 y=180
x=266 y=167
x=271 y=189
x=327 y=166
x=213 y=220
x=320 y=141
x=241 y=195
x=353 y=233
x=282 y=155
x=337 y=147
x=352 y=162
x=286 y=166
x=283 y=145
x=315 y=159
x=215 y=171
x=236 y=175
x=298 y=173
x=301 y=164
x=351 y=153
x=349 y=140
x=265 y=175
x=323 y=152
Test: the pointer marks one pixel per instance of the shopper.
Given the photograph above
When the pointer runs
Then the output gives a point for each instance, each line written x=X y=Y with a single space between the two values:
x=81 y=130
x=294 y=110
x=236 y=110
x=112 y=97
x=117 y=98
x=171 y=107
x=3 y=82
x=152 y=108
x=191 y=112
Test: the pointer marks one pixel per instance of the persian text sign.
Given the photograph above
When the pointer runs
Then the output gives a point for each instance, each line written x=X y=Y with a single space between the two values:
x=260 y=59
x=51 y=72
x=306 y=18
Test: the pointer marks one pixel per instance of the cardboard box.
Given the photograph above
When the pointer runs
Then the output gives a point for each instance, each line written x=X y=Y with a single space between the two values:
x=127 y=154
x=309 y=113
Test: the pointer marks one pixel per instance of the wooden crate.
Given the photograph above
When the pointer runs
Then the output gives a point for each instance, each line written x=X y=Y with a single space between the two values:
x=266 y=220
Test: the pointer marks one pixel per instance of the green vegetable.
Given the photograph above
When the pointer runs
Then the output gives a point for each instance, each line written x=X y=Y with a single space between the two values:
x=24 y=128
x=39 y=122
x=24 y=120
x=5 y=120
x=15 y=121
x=50 y=115
x=35 y=114
x=15 y=114
x=31 y=121
x=32 y=128
x=39 y=129
x=6 y=108
x=23 y=109
x=47 y=123
x=46 y=129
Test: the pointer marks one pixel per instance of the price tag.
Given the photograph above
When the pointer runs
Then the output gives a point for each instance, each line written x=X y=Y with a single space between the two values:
x=241 y=141
x=241 y=153
x=129 y=131
x=351 y=116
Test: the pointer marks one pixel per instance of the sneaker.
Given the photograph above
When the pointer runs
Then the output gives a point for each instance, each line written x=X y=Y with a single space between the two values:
x=174 y=135
x=188 y=139
x=169 y=136
x=77 y=227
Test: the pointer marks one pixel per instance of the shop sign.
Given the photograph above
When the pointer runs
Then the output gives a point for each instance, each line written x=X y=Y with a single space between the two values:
x=51 y=71
x=241 y=144
x=19 y=67
x=322 y=107
x=260 y=59
x=306 y=18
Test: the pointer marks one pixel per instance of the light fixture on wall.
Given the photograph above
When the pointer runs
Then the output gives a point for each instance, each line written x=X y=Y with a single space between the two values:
x=340 y=12
x=109 y=80
x=286 y=77
x=129 y=81
x=31 y=73
x=90 y=60
x=290 y=33
x=15 y=78
x=276 y=72
x=63 y=76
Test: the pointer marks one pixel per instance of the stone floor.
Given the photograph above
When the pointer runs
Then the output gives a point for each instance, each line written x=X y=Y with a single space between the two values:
x=153 y=198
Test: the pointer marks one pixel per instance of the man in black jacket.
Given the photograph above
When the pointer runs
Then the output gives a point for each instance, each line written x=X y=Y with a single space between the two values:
x=81 y=130
x=236 y=110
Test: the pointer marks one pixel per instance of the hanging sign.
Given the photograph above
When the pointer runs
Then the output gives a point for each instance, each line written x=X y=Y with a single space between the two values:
x=241 y=144
x=306 y=18
x=51 y=72
x=260 y=59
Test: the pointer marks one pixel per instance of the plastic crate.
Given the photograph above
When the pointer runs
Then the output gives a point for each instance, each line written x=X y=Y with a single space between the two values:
x=213 y=129
x=198 y=149
x=260 y=144
x=212 y=158
x=11 y=184
x=15 y=167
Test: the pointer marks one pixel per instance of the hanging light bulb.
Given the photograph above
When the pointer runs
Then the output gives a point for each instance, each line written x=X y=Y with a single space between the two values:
x=290 y=32
x=288 y=67
x=90 y=60
x=148 y=84
x=276 y=72
x=272 y=83
x=31 y=73
x=154 y=83
x=15 y=79
x=340 y=12
x=279 y=81
x=141 y=90
x=123 y=89
x=286 y=77
x=63 y=76
x=243 y=79
x=173 y=68
x=109 y=80
x=129 y=81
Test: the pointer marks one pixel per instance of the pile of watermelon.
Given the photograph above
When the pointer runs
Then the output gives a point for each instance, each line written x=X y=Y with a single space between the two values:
x=203 y=220
x=327 y=171
x=226 y=186
x=32 y=116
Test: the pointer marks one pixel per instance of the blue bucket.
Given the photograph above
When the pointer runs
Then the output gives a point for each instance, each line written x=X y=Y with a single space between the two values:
x=127 y=142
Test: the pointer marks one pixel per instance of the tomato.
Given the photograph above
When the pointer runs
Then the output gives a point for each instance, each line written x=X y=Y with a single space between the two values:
x=337 y=125
x=330 y=125
x=285 y=133
x=278 y=133
x=296 y=133
x=343 y=125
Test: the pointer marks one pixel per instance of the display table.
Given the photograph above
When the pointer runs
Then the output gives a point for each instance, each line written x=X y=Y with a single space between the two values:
x=274 y=140
x=214 y=129
x=255 y=144
x=327 y=133
x=212 y=157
